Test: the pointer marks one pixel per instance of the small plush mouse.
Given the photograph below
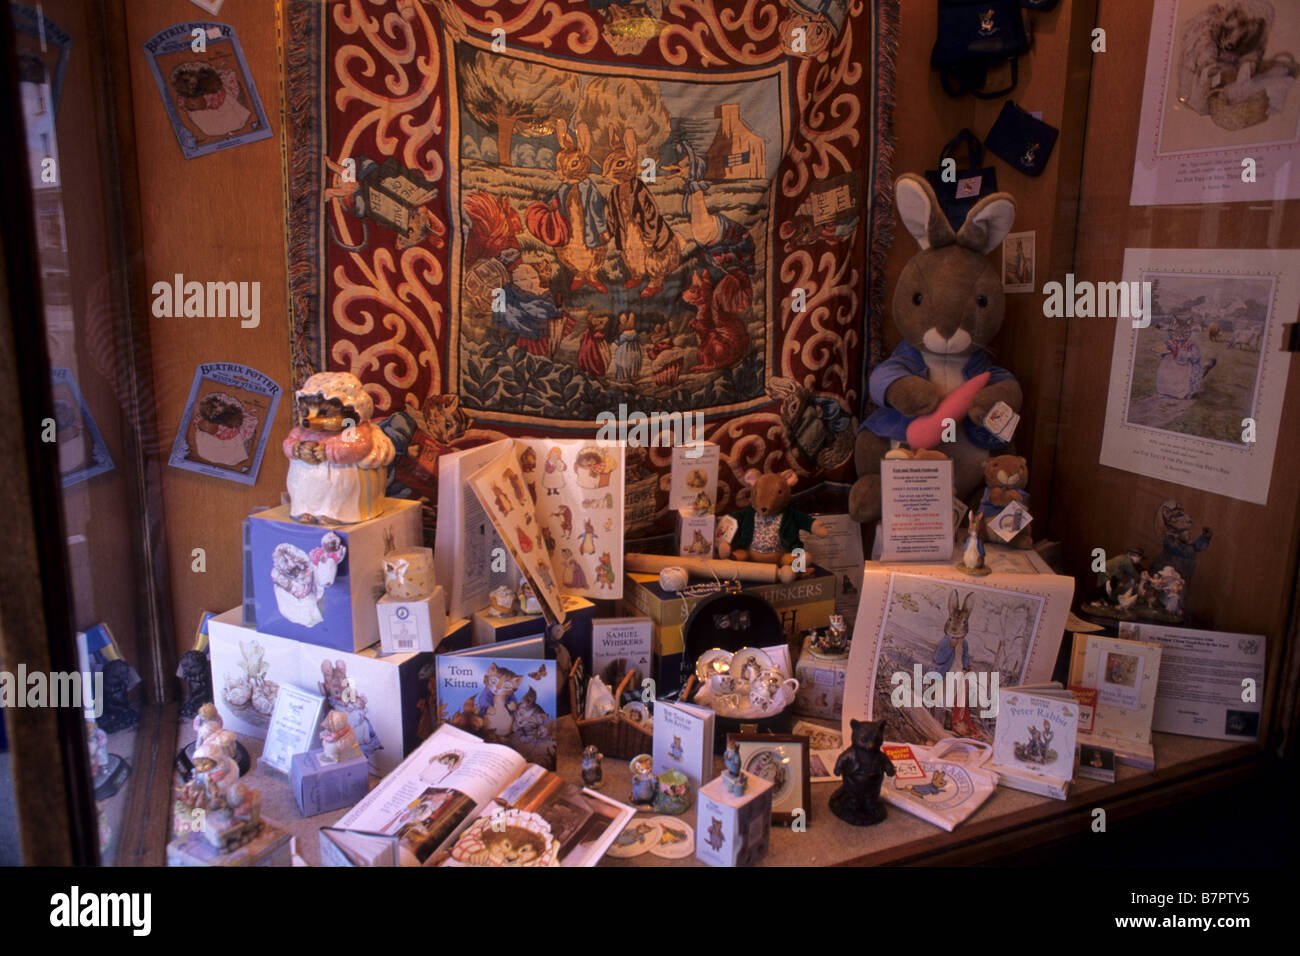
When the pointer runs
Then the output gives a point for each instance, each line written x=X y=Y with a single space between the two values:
x=768 y=529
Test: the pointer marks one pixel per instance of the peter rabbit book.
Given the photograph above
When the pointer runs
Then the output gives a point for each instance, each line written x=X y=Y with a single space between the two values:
x=1125 y=674
x=558 y=507
x=933 y=646
x=459 y=801
x=683 y=740
x=503 y=693
x=1033 y=741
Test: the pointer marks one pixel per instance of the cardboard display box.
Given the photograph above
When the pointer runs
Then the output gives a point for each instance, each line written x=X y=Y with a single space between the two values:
x=302 y=588
x=321 y=787
x=385 y=697
x=731 y=830
x=821 y=684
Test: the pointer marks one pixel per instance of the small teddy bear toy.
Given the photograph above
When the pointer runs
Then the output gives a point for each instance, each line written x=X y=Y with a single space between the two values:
x=862 y=768
x=592 y=775
x=338 y=459
x=1006 y=477
x=337 y=739
x=767 y=530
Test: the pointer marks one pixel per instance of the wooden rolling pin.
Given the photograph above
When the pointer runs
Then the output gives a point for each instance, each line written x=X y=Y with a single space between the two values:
x=708 y=567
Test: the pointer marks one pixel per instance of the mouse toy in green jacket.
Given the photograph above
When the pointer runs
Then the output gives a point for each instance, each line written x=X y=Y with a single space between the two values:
x=768 y=529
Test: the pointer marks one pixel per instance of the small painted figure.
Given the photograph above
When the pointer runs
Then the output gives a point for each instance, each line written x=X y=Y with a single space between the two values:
x=862 y=768
x=732 y=776
x=592 y=775
x=338 y=739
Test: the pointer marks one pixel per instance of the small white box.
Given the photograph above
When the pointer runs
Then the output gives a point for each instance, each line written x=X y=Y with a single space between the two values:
x=409 y=626
x=731 y=830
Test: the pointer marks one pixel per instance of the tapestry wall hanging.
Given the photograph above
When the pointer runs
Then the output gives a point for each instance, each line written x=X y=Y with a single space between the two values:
x=534 y=217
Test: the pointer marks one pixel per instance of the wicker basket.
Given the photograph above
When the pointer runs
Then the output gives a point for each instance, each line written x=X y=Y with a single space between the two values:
x=614 y=735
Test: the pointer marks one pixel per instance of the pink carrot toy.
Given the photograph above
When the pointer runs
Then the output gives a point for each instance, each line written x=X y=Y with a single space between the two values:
x=926 y=430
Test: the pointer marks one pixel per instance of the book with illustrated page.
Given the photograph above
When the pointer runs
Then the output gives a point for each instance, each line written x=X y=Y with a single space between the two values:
x=458 y=801
x=1033 y=740
x=619 y=645
x=683 y=740
x=558 y=508
x=1125 y=674
x=505 y=693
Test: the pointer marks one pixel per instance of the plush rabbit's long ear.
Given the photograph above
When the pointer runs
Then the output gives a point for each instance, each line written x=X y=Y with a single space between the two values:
x=988 y=223
x=919 y=209
x=584 y=137
x=562 y=134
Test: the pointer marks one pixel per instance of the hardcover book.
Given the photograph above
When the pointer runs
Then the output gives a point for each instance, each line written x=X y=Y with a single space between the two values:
x=457 y=801
x=683 y=740
x=504 y=693
x=1125 y=674
x=1033 y=741
x=620 y=644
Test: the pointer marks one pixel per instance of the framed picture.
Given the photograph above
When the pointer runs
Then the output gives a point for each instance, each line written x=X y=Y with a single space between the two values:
x=1018 y=255
x=782 y=759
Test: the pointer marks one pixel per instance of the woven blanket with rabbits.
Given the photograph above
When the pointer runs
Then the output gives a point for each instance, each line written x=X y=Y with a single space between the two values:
x=512 y=218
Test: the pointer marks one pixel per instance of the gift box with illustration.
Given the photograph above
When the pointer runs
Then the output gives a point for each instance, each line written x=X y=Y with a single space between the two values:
x=320 y=583
x=385 y=697
x=733 y=830
x=804 y=603
x=821 y=684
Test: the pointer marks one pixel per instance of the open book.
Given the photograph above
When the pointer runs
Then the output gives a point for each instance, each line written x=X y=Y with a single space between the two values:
x=458 y=801
x=555 y=504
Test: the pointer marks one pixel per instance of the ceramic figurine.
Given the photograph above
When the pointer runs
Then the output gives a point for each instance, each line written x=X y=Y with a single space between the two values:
x=338 y=459
x=672 y=793
x=862 y=768
x=972 y=557
x=591 y=772
x=195 y=670
x=1006 y=480
x=337 y=739
x=733 y=777
x=528 y=600
x=501 y=602
x=1158 y=592
x=118 y=713
x=205 y=723
x=408 y=574
x=832 y=641
x=643 y=780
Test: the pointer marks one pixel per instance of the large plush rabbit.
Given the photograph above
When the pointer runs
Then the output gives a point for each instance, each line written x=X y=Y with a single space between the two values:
x=948 y=306
x=648 y=245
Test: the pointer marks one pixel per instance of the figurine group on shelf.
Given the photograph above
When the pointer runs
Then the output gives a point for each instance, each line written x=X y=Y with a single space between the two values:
x=1129 y=591
x=212 y=801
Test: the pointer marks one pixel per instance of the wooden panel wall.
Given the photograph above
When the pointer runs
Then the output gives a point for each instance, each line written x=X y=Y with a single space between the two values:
x=1244 y=580
x=215 y=218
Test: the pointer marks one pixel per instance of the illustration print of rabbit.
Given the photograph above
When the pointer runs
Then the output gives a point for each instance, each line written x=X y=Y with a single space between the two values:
x=583 y=207
x=627 y=350
x=648 y=245
x=955 y=630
